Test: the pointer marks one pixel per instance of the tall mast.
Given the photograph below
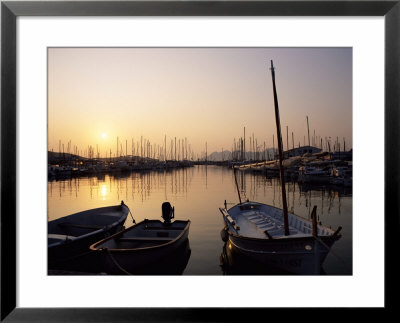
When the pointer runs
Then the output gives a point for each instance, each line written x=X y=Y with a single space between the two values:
x=279 y=137
x=244 y=143
x=287 y=137
x=293 y=140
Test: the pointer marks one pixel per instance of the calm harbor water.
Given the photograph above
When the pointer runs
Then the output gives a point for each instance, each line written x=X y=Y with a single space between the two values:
x=197 y=193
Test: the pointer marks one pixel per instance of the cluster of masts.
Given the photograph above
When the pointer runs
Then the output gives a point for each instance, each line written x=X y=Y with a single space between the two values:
x=179 y=149
x=176 y=150
x=259 y=152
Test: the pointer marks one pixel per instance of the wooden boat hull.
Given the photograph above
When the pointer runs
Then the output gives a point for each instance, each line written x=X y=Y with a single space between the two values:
x=70 y=237
x=298 y=256
x=125 y=253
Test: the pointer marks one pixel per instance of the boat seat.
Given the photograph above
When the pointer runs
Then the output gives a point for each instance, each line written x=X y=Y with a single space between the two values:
x=250 y=213
x=267 y=226
x=162 y=228
x=52 y=237
x=146 y=239
x=83 y=226
x=259 y=221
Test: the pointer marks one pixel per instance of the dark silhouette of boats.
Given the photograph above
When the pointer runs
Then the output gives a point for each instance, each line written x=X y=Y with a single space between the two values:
x=236 y=263
x=69 y=237
x=141 y=248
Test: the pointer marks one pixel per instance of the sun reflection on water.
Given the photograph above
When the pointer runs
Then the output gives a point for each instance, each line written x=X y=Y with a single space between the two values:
x=103 y=191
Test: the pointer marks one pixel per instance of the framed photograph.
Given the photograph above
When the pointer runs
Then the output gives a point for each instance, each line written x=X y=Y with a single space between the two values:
x=115 y=109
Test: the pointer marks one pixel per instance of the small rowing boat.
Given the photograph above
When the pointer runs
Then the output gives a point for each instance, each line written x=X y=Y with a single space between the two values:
x=143 y=245
x=70 y=236
x=257 y=231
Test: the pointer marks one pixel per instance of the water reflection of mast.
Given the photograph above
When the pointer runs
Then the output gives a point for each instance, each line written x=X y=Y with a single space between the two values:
x=91 y=188
x=133 y=187
x=252 y=187
x=141 y=187
x=301 y=194
x=273 y=188
x=253 y=197
x=287 y=195
x=186 y=181
x=256 y=187
x=330 y=201
x=148 y=187
x=206 y=167
x=294 y=190
x=75 y=187
x=179 y=179
x=70 y=187
x=243 y=182
x=322 y=202
x=126 y=188
x=174 y=181
x=117 y=188
x=165 y=185
x=50 y=188
x=59 y=189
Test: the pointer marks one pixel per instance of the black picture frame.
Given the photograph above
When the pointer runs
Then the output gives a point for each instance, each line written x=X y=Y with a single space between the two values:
x=11 y=10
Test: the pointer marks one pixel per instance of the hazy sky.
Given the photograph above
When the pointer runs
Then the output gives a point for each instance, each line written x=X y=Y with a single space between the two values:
x=202 y=94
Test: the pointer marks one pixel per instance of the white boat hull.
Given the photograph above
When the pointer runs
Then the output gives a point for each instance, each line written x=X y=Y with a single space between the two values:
x=301 y=256
x=256 y=231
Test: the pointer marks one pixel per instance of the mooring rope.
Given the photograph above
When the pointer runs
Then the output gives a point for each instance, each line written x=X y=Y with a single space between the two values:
x=116 y=263
x=133 y=220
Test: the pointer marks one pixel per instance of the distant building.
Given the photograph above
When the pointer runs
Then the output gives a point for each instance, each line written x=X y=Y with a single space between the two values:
x=300 y=151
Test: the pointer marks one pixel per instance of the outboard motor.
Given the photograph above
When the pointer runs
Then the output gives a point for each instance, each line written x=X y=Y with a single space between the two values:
x=167 y=212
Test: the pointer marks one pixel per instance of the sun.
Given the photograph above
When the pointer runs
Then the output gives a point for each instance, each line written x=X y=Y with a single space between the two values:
x=103 y=135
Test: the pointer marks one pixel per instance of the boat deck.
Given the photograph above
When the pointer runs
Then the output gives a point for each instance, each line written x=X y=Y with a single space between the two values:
x=261 y=221
x=146 y=234
x=254 y=223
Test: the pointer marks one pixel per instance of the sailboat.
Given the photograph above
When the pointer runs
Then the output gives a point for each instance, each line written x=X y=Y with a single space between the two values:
x=272 y=236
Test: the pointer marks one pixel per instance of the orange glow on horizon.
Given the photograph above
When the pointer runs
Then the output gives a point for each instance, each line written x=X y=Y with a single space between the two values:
x=120 y=100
